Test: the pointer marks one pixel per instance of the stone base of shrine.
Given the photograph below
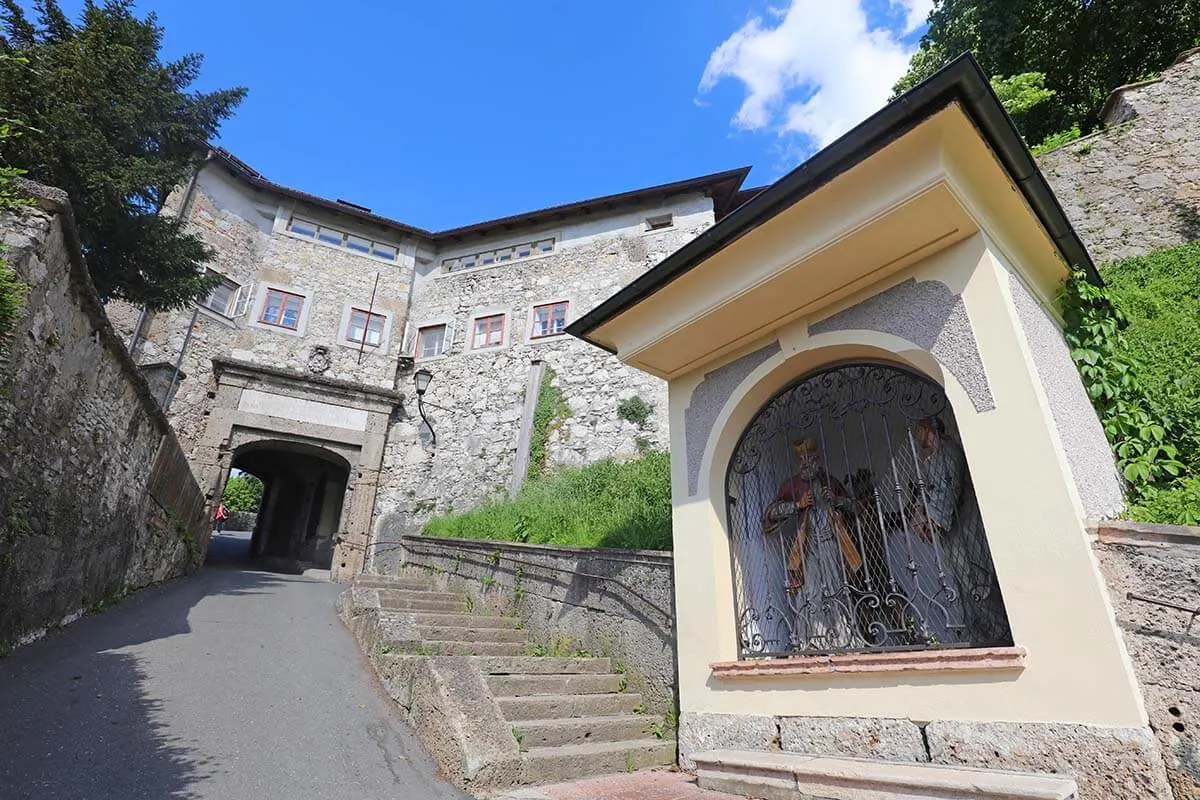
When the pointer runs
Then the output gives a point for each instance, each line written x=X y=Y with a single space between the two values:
x=1106 y=763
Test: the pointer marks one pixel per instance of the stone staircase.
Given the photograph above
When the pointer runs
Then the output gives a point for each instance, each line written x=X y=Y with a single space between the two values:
x=545 y=718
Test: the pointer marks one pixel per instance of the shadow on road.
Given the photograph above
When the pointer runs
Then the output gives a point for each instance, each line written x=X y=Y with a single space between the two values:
x=78 y=720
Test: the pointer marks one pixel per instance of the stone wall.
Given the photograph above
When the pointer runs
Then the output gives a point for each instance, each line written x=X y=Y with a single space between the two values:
x=481 y=394
x=614 y=603
x=252 y=249
x=97 y=496
x=1135 y=186
x=1161 y=564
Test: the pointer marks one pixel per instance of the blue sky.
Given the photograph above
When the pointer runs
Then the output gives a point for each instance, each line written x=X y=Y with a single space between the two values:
x=442 y=114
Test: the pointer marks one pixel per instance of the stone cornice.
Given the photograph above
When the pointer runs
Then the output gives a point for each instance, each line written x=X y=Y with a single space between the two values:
x=232 y=366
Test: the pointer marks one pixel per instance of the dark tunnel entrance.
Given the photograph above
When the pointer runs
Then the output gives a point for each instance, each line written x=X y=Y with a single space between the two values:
x=304 y=488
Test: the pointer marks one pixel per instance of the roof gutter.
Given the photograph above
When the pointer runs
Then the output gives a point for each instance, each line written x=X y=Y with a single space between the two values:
x=962 y=80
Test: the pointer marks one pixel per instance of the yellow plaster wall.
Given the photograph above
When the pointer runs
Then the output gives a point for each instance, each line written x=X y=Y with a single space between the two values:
x=1077 y=670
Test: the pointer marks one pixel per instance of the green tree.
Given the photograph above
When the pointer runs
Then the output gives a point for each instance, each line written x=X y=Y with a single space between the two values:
x=242 y=493
x=1084 y=48
x=117 y=128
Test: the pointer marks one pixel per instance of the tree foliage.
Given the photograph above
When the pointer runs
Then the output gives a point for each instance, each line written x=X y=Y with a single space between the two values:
x=242 y=493
x=12 y=290
x=1084 y=48
x=118 y=130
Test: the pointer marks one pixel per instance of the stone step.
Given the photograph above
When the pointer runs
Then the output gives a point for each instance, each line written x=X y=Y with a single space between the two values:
x=543 y=665
x=389 y=582
x=774 y=774
x=423 y=594
x=419 y=604
x=526 y=685
x=552 y=764
x=477 y=634
x=436 y=620
x=580 y=730
x=561 y=706
x=453 y=648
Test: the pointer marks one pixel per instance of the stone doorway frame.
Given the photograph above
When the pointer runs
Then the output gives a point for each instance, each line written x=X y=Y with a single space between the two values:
x=346 y=418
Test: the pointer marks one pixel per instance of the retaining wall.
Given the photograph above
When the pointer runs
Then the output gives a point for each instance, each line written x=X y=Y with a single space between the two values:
x=1153 y=574
x=608 y=602
x=96 y=496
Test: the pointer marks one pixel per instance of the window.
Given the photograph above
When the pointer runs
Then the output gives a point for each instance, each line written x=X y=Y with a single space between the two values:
x=224 y=298
x=282 y=309
x=660 y=222
x=500 y=255
x=331 y=236
x=340 y=238
x=487 y=332
x=431 y=341
x=365 y=327
x=549 y=319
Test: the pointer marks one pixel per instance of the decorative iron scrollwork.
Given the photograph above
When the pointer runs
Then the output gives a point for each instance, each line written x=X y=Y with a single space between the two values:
x=853 y=521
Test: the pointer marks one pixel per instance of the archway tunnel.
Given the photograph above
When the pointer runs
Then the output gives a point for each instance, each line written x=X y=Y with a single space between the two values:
x=304 y=489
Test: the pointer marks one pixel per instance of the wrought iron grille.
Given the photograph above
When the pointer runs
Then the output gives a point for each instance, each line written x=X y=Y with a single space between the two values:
x=853 y=521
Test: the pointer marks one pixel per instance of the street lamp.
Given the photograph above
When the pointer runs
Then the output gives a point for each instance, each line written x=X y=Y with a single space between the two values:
x=421 y=379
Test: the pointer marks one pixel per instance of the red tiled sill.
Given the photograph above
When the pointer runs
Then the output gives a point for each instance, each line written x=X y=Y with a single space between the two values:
x=988 y=658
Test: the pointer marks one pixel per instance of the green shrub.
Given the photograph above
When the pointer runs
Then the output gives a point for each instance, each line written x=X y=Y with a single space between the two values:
x=242 y=493
x=635 y=410
x=1179 y=504
x=1159 y=294
x=606 y=504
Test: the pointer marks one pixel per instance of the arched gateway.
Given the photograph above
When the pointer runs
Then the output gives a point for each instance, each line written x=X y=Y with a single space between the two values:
x=853 y=521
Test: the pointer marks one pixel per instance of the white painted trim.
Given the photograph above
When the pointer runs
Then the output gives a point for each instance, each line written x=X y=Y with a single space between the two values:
x=346 y=250
x=505 y=339
x=260 y=300
x=530 y=339
x=217 y=316
x=389 y=321
x=439 y=273
x=447 y=342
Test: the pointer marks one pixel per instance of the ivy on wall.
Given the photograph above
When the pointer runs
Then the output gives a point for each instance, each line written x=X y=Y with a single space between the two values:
x=1128 y=387
x=548 y=415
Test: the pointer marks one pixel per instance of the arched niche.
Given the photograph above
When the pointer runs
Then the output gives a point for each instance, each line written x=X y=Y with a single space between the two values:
x=851 y=516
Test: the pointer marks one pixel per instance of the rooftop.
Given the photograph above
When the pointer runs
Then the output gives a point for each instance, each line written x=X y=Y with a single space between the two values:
x=723 y=187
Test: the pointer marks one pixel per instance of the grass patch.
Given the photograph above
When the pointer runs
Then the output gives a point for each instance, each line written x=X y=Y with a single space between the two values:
x=606 y=504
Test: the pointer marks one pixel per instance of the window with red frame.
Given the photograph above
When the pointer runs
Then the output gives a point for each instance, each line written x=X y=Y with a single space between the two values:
x=549 y=319
x=282 y=309
x=488 y=332
x=366 y=328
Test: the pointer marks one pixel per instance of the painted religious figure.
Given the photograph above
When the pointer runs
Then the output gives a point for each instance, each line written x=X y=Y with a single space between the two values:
x=920 y=551
x=809 y=522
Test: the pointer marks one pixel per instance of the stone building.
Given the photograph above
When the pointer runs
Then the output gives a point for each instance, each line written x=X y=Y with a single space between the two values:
x=299 y=366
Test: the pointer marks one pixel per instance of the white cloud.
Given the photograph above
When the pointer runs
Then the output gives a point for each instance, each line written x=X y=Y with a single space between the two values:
x=916 y=12
x=817 y=68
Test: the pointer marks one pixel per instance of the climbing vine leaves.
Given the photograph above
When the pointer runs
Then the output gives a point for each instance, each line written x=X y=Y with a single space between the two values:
x=1140 y=432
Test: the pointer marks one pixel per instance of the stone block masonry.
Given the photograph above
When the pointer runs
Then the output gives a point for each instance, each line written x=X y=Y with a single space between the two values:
x=1135 y=186
x=1153 y=574
x=610 y=603
x=482 y=392
x=96 y=496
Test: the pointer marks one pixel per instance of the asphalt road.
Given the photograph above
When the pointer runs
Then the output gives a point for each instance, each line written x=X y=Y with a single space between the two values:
x=231 y=683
